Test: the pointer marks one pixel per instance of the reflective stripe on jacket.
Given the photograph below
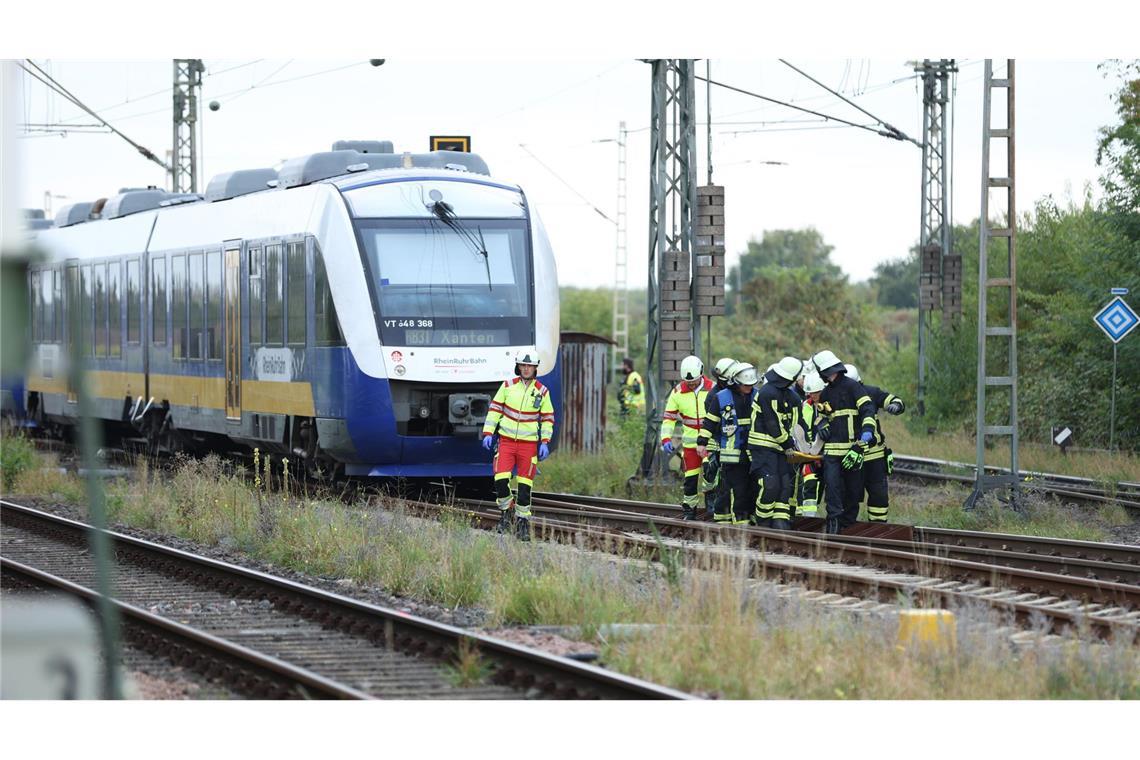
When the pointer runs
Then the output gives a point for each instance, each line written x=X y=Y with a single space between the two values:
x=849 y=411
x=728 y=418
x=775 y=411
x=687 y=408
x=521 y=410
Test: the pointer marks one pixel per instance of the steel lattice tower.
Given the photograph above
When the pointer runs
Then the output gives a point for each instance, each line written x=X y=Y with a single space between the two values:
x=940 y=273
x=672 y=198
x=997 y=297
x=187 y=91
x=621 y=273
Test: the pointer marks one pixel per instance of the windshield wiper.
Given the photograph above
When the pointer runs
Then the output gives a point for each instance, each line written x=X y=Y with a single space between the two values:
x=448 y=217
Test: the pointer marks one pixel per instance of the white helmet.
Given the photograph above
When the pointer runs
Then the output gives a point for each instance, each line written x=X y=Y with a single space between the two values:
x=788 y=368
x=807 y=368
x=853 y=373
x=745 y=374
x=691 y=368
x=827 y=363
x=813 y=383
x=721 y=370
x=527 y=356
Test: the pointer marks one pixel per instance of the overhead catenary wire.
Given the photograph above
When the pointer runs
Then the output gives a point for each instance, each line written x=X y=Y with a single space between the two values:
x=48 y=81
x=895 y=131
x=570 y=187
x=881 y=132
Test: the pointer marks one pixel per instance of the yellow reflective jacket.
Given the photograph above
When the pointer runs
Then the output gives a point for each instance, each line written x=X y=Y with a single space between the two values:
x=686 y=407
x=521 y=410
x=633 y=391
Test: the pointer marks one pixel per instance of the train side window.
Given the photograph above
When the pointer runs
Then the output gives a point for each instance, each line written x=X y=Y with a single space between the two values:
x=256 y=298
x=101 y=309
x=178 y=306
x=324 y=310
x=57 y=304
x=134 y=302
x=114 y=310
x=37 y=310
x=296 y=293
x=158 y=308
x=214 y=305
x=196 y=334
x=47 y=304
x=274 y=296
x=86 y=305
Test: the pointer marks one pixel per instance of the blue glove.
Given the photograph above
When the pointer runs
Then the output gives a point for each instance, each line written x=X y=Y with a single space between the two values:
x=543 y=452
x=867 y=436
x=488 y=442
x=667 y=447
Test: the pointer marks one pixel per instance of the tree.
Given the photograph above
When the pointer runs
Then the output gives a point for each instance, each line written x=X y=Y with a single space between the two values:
x=897 y=282
x=785 y=249
x=1118 y=150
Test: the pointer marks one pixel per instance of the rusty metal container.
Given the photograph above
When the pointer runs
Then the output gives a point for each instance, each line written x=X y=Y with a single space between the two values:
x=584 y=359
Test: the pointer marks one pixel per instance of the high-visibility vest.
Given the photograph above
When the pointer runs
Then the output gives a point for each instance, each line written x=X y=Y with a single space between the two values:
x=687 y=408
x=634 y=390
x=733 y=430
x=521 y=410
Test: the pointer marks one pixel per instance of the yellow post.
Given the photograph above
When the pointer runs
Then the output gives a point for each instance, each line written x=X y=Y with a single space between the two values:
x=929 y=629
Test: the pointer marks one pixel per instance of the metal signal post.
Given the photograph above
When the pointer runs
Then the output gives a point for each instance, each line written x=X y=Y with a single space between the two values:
x=187 y=93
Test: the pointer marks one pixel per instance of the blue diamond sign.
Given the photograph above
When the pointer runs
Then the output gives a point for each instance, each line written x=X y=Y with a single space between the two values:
x=1116 y=319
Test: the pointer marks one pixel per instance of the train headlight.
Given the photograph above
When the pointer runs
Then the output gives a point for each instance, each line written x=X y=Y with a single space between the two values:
x=460 y=407
x=425 y=412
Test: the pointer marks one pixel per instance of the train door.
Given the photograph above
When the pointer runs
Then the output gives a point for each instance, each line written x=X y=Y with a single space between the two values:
x=232 y=298
x=74 y=299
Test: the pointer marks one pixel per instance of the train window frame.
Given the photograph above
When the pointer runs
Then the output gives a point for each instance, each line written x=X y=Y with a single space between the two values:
x=114 y=309
x=178 y=341
x=86 y=304
x=214 y=295
x=162 y=302
x=133 y=293
x=196 y=300
x=325 y=317
x=296 y=289
x=57 y=298
x=274 y=251
x=256 y=299
x=34 y=305
x=101 y=322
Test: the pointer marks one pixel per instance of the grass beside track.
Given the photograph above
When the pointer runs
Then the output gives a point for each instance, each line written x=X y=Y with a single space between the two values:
x=711 y=632
x=606 y=474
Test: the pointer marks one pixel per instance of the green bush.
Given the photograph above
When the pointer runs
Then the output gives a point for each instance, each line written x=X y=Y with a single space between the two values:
x=16 y=456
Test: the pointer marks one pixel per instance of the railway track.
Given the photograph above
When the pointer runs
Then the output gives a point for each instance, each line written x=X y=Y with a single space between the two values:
x=278 y=638
x=1068 y=591
x=1086 y=490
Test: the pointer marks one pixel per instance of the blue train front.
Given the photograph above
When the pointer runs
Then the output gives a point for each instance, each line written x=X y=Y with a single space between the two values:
x=355 y=311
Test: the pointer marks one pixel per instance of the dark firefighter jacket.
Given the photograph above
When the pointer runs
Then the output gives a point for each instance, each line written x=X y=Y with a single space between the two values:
x=847 y=408
x=774 y=413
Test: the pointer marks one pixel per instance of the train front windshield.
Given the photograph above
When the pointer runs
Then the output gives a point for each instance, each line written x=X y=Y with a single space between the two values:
x=447 y=275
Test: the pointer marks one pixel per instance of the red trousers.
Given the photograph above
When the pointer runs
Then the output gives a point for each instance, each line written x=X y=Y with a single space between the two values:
x=523 y=457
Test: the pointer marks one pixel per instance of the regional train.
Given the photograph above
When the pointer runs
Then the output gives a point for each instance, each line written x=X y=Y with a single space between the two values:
x=355 y=310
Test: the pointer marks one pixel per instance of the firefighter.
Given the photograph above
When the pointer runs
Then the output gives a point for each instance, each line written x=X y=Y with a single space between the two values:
x=524 y=415
x=774 y=414
x=631 y=395
x=847 y=426
x=808 y=481
x=879 y=461
x=716 y=491
x=728 y=419
x=686 y=407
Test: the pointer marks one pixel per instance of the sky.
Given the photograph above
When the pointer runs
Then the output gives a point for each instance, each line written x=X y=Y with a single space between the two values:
x=551 y=126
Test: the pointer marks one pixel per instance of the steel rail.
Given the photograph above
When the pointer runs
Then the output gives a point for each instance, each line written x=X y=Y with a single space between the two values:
x=289 y=679
x=515 y=665
x=803 y=562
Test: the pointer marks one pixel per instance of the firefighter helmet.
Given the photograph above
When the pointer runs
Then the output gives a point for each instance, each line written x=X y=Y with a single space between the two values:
x=853 y=373
x=691 y=368
x=827 y=363
x=807 y=368
x=526 y=356
x=745 y=375
x=721 y=370
x=813 y=383
x=788 y=368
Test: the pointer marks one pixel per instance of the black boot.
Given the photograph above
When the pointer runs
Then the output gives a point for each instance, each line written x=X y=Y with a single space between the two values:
x=688 y=513
x=522 y=529
x=504 y=522
x=779 y=523
x=832 y=525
